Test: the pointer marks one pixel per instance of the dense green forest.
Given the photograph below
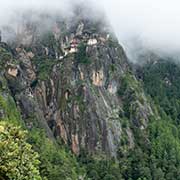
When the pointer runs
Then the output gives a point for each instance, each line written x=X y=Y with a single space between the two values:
x=156 y=154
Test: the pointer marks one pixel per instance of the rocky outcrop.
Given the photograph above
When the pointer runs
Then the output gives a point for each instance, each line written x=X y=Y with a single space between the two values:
x=13 y=71
x=70 y=86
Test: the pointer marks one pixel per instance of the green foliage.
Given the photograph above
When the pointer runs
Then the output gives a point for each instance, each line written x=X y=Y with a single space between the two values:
x=160 y=155
x=3 y=84
x=5 y=56
x=43 y=63
x=161 y=82
x=17 y=160
x=131 y=92
x=99 y=168
x=56 y=161
x=165 y=142
x=113 y=68
x=81 y=55
x=44 y=67
x=129 y=83
x=153 y=159
x=157 y=151
x=11 y=113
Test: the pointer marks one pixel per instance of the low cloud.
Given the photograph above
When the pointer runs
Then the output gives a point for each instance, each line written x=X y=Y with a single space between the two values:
x=151 y=24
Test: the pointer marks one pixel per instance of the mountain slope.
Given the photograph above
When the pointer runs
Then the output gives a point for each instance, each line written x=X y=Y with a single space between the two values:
x=69 y=83
x=73 y=89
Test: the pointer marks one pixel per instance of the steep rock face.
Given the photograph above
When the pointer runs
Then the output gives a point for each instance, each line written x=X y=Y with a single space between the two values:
x=86 y=112
x=68 y=83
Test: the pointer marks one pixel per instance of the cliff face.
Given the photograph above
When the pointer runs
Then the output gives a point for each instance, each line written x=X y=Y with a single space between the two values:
x=75 y=82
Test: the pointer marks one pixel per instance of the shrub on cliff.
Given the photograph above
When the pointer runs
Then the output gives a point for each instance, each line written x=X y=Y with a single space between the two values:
x=17 y=160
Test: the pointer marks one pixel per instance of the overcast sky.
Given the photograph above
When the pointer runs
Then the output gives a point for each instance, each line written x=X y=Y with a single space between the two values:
x=154 y=23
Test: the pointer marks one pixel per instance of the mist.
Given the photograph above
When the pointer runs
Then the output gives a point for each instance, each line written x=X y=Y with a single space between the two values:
x=138 y=24
x=146 y=24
